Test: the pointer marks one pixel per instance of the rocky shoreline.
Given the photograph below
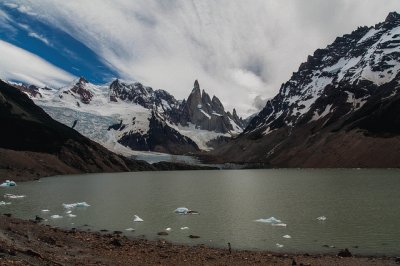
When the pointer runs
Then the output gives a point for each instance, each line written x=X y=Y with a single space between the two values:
x=31 y=243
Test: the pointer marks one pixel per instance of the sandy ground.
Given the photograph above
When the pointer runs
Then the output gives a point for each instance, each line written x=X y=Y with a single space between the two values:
x=30 y=243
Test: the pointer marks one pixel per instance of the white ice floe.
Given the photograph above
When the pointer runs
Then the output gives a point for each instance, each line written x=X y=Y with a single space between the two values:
x=71 y=215
x=271 y=220
x=56 y=216
x=185 y=228
x=45 y=210
x=321 y=218
x=3 y=203
x=74 y=205
x=280 y=224
x=279 y=245
x=137 y=219
x=12 y=196
x=287 y=236
x=168 y=229
x=68 y=212
x=181 y=210
x=8 y=183
x=129 y=229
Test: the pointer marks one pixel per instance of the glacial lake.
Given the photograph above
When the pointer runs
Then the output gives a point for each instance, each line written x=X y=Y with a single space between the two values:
x=362 y=207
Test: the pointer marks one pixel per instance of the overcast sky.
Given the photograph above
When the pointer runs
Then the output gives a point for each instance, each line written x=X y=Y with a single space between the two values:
x=239 y=50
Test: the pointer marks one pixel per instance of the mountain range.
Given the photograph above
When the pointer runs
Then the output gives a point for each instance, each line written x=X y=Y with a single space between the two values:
x=126 y=117
x=340 y=109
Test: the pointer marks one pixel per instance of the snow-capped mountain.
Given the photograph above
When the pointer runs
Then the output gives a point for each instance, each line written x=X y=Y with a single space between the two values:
x=339 y=88
x=125 y=117
x=336 y=80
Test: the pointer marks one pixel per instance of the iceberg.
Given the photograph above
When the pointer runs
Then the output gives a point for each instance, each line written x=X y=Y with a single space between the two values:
x=184 y=210
x=280 y=224
x=3 y=203
x=71 y=215
x=279 y=245
x=181 y=210
x=184 y=228
x=168 y=229
x=130 y=229
x=137 y=219
x=321 y=218
x=287 y=236
x=45 y=210
x=12 y=196
x=56 y=216
x=271 y=220
x=74 y=205
x=8 y=183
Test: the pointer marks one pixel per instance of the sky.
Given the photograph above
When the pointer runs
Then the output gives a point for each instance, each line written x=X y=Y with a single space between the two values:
x=240 y=51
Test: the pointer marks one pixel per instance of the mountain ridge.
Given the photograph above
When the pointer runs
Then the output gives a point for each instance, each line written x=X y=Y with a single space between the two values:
x=337 y=110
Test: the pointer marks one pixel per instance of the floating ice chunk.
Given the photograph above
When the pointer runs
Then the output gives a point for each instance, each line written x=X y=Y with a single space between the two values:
x=68 y=212
x=45 y=210
x=3 y=203
x=321 y=218
x=271 y=220
x=168 y=229
x=182 y=210
x=71 y=215
x=56 y=216
x=279 y=245
x=280 y=224
x=184 y=228
x=74 y=205
x=137 y=219
x=130 y=229
x=12 y=196
x=8 y=183
x=287 y=236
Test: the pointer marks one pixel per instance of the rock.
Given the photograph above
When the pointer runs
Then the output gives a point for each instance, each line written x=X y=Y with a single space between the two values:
x=294 y=262
x=162 y=233
x=116 y=242
x=117 y=232
x=193 y=236
x=38 y=218
x=344 y=253
x=397 y=260
x=7 y=214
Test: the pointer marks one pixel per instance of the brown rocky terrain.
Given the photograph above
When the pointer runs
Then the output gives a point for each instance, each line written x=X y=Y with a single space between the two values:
x=29 y=243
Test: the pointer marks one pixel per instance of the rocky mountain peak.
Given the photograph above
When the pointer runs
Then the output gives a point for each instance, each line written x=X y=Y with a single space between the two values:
x=80 y=89
x=82 y=80
x=196 y=85
x=393 y=17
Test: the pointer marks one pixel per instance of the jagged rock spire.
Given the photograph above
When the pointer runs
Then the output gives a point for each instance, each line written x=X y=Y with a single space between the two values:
x=196 y=85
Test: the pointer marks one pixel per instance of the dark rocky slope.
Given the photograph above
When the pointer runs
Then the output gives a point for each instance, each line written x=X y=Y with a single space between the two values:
x=33 y=144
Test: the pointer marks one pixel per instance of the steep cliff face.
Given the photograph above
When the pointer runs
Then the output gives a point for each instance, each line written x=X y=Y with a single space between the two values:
x=339 y=108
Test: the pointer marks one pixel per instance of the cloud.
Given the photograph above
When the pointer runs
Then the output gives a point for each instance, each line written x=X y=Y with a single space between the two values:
x=39 y=37
x=18 y=64
x=237 y=49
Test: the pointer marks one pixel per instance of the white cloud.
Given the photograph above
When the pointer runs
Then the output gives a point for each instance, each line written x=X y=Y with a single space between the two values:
x=39 y=37
x=18 y=64
x=237 y=49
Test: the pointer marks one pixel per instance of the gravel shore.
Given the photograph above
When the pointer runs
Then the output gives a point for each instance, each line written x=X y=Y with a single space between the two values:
x=31 y=243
